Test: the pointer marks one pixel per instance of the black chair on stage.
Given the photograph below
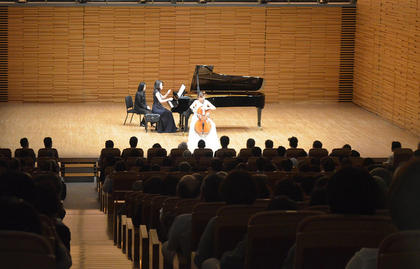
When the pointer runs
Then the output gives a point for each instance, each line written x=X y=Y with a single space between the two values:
x=130 y=108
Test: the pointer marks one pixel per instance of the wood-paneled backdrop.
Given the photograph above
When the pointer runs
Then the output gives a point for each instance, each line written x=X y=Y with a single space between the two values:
x=387 y=60
x=78 y=54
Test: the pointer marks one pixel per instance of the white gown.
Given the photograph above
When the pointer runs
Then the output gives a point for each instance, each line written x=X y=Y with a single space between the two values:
x=211 y=139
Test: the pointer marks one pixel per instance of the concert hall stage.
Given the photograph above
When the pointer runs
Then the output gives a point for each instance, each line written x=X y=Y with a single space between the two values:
x=80 y=129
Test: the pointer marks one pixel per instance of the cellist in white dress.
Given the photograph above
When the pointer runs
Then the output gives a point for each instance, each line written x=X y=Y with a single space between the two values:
x=201 y=108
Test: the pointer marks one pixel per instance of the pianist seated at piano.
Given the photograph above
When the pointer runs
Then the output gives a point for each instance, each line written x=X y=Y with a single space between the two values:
x=201 y=108
x=166 y=122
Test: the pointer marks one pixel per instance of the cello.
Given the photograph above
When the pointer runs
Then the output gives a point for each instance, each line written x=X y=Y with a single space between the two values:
x=203 y=125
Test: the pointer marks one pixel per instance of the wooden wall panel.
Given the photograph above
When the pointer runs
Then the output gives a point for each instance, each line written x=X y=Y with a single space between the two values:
x=303 y=53
x=4 y=54
x=387 y=60
x=73 y=54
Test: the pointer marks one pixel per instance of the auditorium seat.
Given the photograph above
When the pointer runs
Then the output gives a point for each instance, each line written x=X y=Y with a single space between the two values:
x=295 y=153
x=156 y=204
x=199 y=153
x=176 y=153
x=329 y=241
x=156 y=152
x=340 y=152
x=244 y=154
x=231 y=225
x=5 y=153
x=402 y=155
x=225 y=153
x=122 y=182
x=185 y=206
x=318 y=153
x=24 y=250
x=270 y=236
x=269 y=153
x=400 y=250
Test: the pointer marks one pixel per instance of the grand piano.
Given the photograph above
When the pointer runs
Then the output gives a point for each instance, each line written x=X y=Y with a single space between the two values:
x=222 y=91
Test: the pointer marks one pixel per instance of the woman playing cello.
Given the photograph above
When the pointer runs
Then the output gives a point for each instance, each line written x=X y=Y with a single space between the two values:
x=202 y=127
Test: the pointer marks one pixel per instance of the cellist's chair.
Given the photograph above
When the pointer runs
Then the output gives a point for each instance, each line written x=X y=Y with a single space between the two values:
x=130 y=108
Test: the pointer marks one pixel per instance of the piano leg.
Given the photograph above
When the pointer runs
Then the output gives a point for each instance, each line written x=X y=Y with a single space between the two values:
x=259 y=116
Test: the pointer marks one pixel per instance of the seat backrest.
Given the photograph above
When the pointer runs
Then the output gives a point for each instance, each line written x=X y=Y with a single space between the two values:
x=244 y=154
x=270 y=236
x=157 y=160
x=295 y=153
x=323 y=208
x=231 y=225
x=108 y=153
x=270 y=153
x=201 y=214
x=224 y=153
x=156 y=152
x=175 y=153
x=199 y=153
x=132 y=152
x=123 y=181
x=252 y=163
x=329 y=241
x=156 y=205
x=5 y=153
x=400 y=250
x=402 y=155
x=317 y=153
x=340 y=152
x=128 y=102
x=24 y=250
x=48 y=153
x=146 y=208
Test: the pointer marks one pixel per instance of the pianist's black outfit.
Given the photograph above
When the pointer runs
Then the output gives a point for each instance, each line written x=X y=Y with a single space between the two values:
x=140 y=101
x=166 y=122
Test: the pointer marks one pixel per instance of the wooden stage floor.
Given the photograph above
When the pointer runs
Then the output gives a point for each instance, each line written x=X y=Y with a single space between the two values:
x=80 y=129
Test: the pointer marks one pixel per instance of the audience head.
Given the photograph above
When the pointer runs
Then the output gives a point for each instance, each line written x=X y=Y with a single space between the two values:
x=46 y=199
x=158 y=85
x=183 y=146
x=288 y=188
x=282 y=202
x=185 y=167
x=19 y=215
x=210 y=187
x=256 y=151
x=201 y=144
x=354 y=153
x=281 y=151
x=169 y=185
x=50 y=179
x=153 y=185
x=293 y=142
x=269 y=144
x=404 y=198
x=328 y=164
x=48 y=142
x=317 y=144
x=250 y=143
x=109 y=144
x=133 y=141
x=395 y=145
x=238 y=188
x=188 y=187
x=286 y=165
x=156 y=146
x=224 y=141
x=351 y=190
x=186 y=154
x=347 y=146
x=24 y=143
x=142 y=86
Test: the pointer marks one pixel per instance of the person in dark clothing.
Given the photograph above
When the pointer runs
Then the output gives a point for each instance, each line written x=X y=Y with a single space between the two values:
x=166 y=122
x=48 y=151
x=140 y=105
x=25 y=151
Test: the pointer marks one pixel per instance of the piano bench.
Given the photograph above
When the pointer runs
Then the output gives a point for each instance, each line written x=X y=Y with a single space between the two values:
x=152 y=118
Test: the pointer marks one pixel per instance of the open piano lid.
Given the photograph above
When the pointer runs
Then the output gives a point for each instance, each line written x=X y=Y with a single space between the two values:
x=212 y=82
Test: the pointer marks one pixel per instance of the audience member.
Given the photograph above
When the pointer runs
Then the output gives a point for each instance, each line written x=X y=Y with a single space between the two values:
x=201 y=144
x=25 y=151
x=288 y=188
x=293 y=142
x=327 y=164
x=294 y=151
x=188 y=187
x=256 y=151
x=153 y=185
x=347 y=146
x=132 y=151
x=183 y=145
x=225 y=151
x=48 y=151
x=404 y=206
x=269 y=144
x=237 y=188
x=261 y=181
x=281 y=151
x=286 y=165
x=383 y=173
x=184 y=167
x=250 y=143
x=317 y=144
x=108 y=184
